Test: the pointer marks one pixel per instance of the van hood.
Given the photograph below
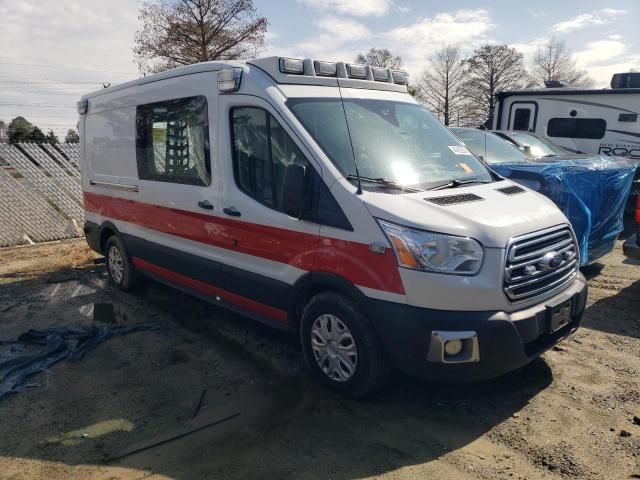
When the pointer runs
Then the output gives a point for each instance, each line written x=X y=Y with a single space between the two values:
x=493 y=218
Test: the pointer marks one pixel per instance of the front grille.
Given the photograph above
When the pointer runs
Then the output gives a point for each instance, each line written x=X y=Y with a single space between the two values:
x=454 y=199
x=540 y=262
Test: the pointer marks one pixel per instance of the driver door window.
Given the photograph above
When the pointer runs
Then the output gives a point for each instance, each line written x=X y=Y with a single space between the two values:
x=261 y=152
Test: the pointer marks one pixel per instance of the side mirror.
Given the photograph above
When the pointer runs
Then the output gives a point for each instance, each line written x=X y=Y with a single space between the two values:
x=527 y=150
x=294 y=190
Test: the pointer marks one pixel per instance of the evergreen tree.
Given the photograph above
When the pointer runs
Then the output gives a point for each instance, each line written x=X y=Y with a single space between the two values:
x=19 y=130
x=51 y=138
x=72 y=136
x=36 y=136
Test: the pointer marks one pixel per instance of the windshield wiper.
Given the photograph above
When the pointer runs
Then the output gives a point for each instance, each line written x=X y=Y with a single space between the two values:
x=384 y=182
x=455 y=183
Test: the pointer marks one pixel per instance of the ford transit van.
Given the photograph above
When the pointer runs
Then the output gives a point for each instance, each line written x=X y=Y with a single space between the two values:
x=319 y=197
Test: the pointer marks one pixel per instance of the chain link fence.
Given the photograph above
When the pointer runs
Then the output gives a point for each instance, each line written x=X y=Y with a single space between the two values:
x=40 y=193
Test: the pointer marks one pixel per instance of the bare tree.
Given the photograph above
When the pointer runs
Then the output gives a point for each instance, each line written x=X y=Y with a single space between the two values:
x=553 y=62
x=441 y=85
x=491 y=69
x=380 y=57
x=182 y=32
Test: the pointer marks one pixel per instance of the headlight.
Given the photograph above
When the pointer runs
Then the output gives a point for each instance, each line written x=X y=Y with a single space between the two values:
x=434 y=252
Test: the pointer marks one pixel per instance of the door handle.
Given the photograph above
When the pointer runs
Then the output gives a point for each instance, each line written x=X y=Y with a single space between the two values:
x=206 y=204
x=232 y=211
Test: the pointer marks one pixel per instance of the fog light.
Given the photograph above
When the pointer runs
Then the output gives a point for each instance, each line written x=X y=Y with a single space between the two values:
x=453 y=347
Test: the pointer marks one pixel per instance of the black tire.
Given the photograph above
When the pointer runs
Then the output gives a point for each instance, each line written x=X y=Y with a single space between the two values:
x=371 y=368
x=128 y=278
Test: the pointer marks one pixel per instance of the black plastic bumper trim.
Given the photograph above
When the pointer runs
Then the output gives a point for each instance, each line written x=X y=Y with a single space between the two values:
x=507 y=341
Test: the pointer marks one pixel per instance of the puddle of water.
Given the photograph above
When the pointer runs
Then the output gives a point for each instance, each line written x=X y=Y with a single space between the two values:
x=108 y=313
x=92 y=431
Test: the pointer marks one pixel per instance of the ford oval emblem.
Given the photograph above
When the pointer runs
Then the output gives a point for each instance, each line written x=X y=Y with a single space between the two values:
x=550 y=261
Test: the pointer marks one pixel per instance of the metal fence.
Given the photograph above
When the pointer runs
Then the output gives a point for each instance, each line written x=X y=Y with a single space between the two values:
x=40 y=193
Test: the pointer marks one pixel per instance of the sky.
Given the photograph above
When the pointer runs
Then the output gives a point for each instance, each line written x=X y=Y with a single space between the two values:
x=53 y=51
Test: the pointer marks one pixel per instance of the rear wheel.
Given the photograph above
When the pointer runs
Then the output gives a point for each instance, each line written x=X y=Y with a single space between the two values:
x=340 y=346
x=120 y=270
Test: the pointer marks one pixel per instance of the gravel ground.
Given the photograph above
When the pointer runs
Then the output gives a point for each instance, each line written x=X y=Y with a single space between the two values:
x=218 y=396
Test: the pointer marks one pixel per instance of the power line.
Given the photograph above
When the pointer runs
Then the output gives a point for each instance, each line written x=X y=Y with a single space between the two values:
x=48 y=86
x=20 y=79
x=42 y=92
x=39 y=116
x=36 y=105
x=64 y=68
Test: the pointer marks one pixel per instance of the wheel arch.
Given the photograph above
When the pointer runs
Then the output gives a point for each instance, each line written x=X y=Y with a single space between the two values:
x=107 y=229
x=313 y=283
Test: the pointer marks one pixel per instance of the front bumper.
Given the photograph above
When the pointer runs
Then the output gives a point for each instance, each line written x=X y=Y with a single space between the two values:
x=631 y=248
x=506 y=341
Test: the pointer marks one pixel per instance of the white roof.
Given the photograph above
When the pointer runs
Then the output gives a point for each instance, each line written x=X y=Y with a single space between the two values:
x=271 y=66
x=174 y=72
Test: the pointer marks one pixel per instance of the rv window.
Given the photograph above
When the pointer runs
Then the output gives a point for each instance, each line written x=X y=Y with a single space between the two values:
x=521 y=119
x=261 y=152
x=172 y=141
x=577 y=128
x=628 y=117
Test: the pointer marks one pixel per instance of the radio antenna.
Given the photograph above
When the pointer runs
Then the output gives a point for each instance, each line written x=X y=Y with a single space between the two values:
x=353 y=152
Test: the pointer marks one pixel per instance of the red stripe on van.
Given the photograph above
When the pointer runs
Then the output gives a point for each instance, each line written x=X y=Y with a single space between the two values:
x=211 y=290
x=351 y=260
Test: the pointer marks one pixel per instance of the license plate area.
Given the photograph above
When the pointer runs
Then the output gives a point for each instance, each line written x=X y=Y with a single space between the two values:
x=559 y=315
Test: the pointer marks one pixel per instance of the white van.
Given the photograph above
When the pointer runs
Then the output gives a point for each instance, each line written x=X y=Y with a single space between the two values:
x=603 y=121
x=321 y=198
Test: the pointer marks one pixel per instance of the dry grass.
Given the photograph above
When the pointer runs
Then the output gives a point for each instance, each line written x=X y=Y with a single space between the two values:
x=33 y=260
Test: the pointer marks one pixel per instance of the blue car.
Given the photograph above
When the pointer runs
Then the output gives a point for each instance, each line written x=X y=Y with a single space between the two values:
x=591 y=191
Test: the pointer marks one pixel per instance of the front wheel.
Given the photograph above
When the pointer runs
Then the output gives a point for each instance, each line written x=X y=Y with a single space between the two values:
x=340 y=346
x=120 y=270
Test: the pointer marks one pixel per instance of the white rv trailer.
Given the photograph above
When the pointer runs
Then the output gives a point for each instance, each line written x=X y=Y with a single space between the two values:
x=595 y=121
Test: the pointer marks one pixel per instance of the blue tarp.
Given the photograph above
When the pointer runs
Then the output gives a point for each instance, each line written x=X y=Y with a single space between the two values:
x=36 y=350
x=591 y=192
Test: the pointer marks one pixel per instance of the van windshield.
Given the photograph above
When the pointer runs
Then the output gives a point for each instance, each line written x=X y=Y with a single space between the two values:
x=392 y=141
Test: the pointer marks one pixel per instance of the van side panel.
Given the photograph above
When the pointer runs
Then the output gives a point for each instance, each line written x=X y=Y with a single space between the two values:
x=293 y=251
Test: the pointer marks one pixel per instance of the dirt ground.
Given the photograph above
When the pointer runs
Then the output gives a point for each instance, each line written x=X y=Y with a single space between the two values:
x=217 y=396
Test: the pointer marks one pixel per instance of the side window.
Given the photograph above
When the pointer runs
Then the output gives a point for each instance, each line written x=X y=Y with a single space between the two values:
x=172 y=141
x=521 y=119
x=593 y=128
x=261 y=152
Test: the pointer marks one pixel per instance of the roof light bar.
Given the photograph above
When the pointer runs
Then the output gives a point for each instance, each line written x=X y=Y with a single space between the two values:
x=357 y=71
x=400 y=77
x=293 y=66
x=325 y=69
x=229 y=80
x=380 y=74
